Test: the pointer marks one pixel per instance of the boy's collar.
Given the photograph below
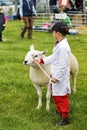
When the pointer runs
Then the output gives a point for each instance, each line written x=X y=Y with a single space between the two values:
x=58 y=41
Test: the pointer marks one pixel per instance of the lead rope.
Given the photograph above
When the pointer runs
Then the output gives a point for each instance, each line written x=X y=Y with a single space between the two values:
x=44 y=71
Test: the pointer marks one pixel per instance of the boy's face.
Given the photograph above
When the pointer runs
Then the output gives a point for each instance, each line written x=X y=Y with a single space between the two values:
x=55 y=35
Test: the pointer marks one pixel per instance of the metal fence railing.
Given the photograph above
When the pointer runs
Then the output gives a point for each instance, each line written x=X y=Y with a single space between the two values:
x=79 y=21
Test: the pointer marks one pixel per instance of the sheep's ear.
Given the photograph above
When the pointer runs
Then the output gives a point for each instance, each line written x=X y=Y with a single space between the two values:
x=44 y=52
x=32 y=47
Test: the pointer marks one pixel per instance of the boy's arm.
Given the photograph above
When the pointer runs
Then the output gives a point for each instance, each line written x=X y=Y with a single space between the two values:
x=20 y=9
x=6 y=20
x=34 y=12
x=41 y=61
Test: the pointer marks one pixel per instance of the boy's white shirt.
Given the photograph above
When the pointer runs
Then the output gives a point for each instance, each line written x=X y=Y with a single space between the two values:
x=60 y=61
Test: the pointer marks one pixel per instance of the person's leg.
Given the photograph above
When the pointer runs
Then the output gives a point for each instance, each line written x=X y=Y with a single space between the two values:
x=0 y=36
x=25 y=19
x=56 y=102
x=30 y=28
x=62 y=106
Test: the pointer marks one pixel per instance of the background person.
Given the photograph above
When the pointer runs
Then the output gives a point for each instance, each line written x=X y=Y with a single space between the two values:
x=3 y=22
x=53 y=6
x=27 y=11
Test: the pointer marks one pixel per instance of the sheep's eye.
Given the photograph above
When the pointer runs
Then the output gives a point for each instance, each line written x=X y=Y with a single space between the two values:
x=35 y=56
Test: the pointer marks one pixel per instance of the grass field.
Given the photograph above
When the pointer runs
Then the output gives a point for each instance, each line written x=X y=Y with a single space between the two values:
x=18 y=97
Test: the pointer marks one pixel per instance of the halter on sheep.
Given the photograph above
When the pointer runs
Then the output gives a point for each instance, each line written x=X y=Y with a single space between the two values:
x=40 y=78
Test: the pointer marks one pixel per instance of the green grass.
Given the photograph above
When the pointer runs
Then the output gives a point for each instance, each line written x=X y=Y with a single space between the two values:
x=18 y=97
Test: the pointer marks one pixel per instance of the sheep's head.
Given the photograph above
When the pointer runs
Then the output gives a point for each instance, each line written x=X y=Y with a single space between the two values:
x=28 y=60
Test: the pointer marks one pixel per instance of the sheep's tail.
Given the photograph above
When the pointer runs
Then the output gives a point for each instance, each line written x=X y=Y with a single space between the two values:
x=44 y=71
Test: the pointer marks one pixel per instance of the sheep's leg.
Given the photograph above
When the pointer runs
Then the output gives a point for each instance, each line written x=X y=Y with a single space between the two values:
x=48 y=95
x=74 y=83
x=39 y=92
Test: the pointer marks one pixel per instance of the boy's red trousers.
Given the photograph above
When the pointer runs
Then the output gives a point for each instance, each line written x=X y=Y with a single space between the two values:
x=62 y=105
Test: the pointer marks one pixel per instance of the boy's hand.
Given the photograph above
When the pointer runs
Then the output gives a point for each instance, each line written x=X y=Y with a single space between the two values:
x=4 y=25
x=54 y=80
x=21 y=17
x=36 y=61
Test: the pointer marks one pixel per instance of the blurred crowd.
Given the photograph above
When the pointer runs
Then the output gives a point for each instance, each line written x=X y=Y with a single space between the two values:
x=73 y=5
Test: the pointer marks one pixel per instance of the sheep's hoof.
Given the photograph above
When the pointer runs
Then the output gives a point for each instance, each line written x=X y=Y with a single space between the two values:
x=47 y=109
x=38 y=107
x=74 y=91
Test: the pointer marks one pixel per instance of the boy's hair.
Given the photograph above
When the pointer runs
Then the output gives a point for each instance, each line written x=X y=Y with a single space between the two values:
x=61 y=27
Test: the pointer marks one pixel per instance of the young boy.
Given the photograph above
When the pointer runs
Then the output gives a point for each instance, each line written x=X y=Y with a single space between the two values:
x=3 y=22
x=60 y=72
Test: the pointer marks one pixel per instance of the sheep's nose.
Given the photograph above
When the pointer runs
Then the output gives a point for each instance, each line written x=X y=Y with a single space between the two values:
x=25 y=62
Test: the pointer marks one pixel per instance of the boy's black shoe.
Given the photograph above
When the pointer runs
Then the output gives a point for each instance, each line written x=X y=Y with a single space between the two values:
x=63 y=121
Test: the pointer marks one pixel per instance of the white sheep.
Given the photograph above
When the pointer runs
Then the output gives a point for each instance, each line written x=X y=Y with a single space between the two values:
x=39 y=78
